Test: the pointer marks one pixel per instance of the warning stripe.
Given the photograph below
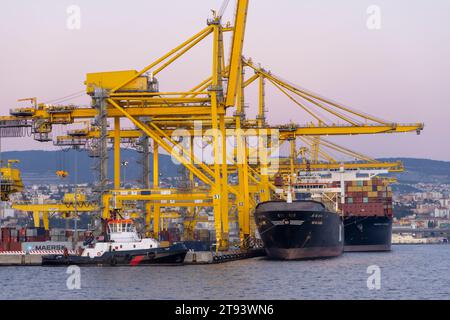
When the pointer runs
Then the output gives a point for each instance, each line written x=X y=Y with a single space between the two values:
x=37 y=252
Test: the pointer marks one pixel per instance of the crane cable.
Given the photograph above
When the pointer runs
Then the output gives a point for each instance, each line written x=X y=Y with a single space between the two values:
x=223 y=7
x=66 y=98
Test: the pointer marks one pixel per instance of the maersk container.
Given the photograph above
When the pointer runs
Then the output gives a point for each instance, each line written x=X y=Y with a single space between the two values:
x=47 y=245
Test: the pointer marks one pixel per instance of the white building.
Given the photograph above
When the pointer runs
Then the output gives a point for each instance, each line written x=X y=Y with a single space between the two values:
x=445 y=202
x=6 y=212
x=441 y=213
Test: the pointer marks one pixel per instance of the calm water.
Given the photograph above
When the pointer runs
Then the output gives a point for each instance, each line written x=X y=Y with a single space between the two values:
x=408 y=272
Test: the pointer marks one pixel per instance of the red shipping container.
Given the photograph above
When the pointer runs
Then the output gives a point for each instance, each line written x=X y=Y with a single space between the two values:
x=15 y=246
x=5 y=233
x=5 y=246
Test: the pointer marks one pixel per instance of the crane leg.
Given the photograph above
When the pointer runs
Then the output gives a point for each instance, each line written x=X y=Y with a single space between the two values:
x=148 y=216
x=36 y=219
x=156 y=219
x=45 y=219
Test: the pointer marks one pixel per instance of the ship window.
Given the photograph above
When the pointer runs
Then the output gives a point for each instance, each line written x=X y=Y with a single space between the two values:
x=113 y=227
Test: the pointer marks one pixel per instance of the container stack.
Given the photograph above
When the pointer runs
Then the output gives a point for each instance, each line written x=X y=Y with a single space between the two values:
x=5 y=239
x=171 y=235
x=12 y=238
x=203 y=235
x=372 y=197
x=57 y=234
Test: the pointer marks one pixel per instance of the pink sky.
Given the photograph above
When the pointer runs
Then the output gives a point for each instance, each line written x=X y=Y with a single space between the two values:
x=400 y=73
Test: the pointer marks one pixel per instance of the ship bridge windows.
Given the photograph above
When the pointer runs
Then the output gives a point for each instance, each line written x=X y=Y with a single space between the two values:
x=118 y=227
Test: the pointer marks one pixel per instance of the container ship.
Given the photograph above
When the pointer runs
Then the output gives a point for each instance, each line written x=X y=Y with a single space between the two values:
x=302 y=229
x=367 y=213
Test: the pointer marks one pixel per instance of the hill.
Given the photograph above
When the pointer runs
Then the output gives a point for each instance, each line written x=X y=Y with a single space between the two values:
x=39 y=167
x=423 y=170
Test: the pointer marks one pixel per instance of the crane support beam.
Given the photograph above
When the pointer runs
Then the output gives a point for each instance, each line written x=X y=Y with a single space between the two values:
x=286 y=133
x=350 y=130
x=236 y=51
x=156 y=138
x=55 y=207
x=163 y=58
x=391 y=167
x=117 y=152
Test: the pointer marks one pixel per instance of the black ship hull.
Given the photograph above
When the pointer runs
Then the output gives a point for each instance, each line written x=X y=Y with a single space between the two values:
x=367 y=233
x=299 y=230
x=173 y=255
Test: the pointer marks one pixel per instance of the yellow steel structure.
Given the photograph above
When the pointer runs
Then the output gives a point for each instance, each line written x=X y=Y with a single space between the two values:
x=314 y=156
x=10 y=180
x=67 y=207
x=159 y=116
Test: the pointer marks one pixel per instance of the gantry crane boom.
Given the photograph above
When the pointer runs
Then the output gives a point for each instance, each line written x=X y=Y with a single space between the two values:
x=352 y=119
x=236 y=52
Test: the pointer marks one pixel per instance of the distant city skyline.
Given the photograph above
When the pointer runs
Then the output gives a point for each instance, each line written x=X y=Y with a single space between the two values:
x=400 y=73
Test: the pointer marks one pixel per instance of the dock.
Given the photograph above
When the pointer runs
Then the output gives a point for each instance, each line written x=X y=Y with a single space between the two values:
x=20 y=260
x=210 y=257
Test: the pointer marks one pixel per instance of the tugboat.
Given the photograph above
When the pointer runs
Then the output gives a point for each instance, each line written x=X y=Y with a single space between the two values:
x=302 y=229
x=122 y=247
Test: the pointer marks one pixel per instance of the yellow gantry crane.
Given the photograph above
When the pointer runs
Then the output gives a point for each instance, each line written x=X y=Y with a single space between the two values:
x=209 y=113
x=70 y=205
x=10 y=180
x=314 y=154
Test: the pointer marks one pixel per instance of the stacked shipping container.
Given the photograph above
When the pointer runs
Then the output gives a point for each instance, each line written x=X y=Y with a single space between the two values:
x=171 y=235
x=372 y=197
x=12 y=238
